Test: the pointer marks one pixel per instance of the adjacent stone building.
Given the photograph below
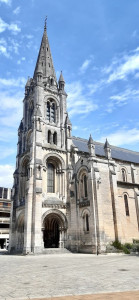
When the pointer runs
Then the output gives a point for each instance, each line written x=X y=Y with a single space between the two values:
x=5 y=208
x=68 y=192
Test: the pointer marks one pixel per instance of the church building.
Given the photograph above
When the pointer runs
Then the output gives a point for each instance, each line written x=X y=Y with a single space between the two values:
x=68 y=192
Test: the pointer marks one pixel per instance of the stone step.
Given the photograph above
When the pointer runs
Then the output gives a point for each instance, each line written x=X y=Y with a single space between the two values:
x=55 y=250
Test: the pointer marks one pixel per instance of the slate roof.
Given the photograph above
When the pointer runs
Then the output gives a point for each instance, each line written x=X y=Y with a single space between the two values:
x=117 y=152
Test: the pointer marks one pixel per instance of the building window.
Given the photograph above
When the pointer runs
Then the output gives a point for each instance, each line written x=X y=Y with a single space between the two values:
x=87 y=222
x=55 y=138
x=50 y=178
x=48 y=111
x=124 y=175
x=53 y=112
x=85 y=185
x=126 y=205
x=1 y=189
x=49 y=136
x=5 y=193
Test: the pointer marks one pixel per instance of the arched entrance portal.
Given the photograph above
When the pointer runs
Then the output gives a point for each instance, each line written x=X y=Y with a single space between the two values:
x=51 y=232
x=54 y=227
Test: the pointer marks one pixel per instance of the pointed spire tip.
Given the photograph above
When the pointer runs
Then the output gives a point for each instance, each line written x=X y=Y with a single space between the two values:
x=45 y=24
x=90 y=141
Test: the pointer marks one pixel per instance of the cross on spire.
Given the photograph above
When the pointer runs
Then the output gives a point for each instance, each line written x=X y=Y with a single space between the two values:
x=45 y=23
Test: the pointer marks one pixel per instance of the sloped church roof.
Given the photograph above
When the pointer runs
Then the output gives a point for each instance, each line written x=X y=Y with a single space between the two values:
x=116 y=152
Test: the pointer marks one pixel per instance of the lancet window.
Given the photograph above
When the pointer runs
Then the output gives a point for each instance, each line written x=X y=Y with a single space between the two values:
x=51 y=111
x=55 y=138
x=87 y=222
x=50 y=178
x=86 y=215
x=124 y=178
x=126 y=205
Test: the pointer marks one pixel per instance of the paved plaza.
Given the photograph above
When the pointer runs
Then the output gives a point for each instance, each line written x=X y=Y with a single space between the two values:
x=44 y=276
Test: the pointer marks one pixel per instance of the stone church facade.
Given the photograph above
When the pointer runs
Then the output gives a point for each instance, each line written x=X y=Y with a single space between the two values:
x=68 y=192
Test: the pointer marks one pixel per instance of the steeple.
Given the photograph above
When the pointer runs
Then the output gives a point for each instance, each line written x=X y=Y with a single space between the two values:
x=91 y=146
x=107 y=149
x=44 y=61
x=61 y=82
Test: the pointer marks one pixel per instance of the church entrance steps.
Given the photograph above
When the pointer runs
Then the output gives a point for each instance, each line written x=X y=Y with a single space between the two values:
x=55 y=251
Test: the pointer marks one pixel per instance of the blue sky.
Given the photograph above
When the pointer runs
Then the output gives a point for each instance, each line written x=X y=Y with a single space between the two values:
x=96 y=44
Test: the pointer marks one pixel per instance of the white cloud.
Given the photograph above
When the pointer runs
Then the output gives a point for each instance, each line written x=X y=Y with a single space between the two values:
x=6 y=151
x=85 y=66
x=122 y=137
x=16 y=11
x=14 y=28
x=11 y=110
x=19 y=82
x=7 y=135
x=13 y=46
x=127 y=94
x=129 y=66
x=93 y=87
x=135 y=34
x=3 y=51
x=28 y=36
x=8 y=48
x=122 y=99
x=78 y=101
x=6 y=1
x=20 y=60
x=6 y=175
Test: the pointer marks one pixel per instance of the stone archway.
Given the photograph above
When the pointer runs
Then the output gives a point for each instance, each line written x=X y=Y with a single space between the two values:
x=54 y=229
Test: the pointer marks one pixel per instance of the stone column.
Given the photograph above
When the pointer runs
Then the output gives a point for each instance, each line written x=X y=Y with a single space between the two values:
x=61 y=238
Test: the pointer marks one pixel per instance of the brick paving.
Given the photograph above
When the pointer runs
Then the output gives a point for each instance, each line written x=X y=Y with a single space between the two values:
x=75 y=276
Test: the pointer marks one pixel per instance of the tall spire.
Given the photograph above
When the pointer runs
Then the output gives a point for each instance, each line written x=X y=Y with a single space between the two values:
x=44 y=60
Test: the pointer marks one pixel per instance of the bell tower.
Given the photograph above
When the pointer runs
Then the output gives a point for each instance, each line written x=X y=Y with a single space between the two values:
x=43 y=158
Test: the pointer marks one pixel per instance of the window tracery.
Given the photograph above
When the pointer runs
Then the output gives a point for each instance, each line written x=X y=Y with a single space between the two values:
x=51 y=111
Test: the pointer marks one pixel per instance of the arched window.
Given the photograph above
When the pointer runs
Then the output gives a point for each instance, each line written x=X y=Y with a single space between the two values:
x=126 y=205
x=52 y=81
x=124 y=175
x=55 y=138
x=85 y=185
x=48 y=111
x=50 y=178
x=49 y=136
x=87 y=222
x=53 y=112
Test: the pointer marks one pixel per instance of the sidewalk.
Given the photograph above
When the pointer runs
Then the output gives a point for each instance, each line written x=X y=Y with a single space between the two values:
x=134 y=295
